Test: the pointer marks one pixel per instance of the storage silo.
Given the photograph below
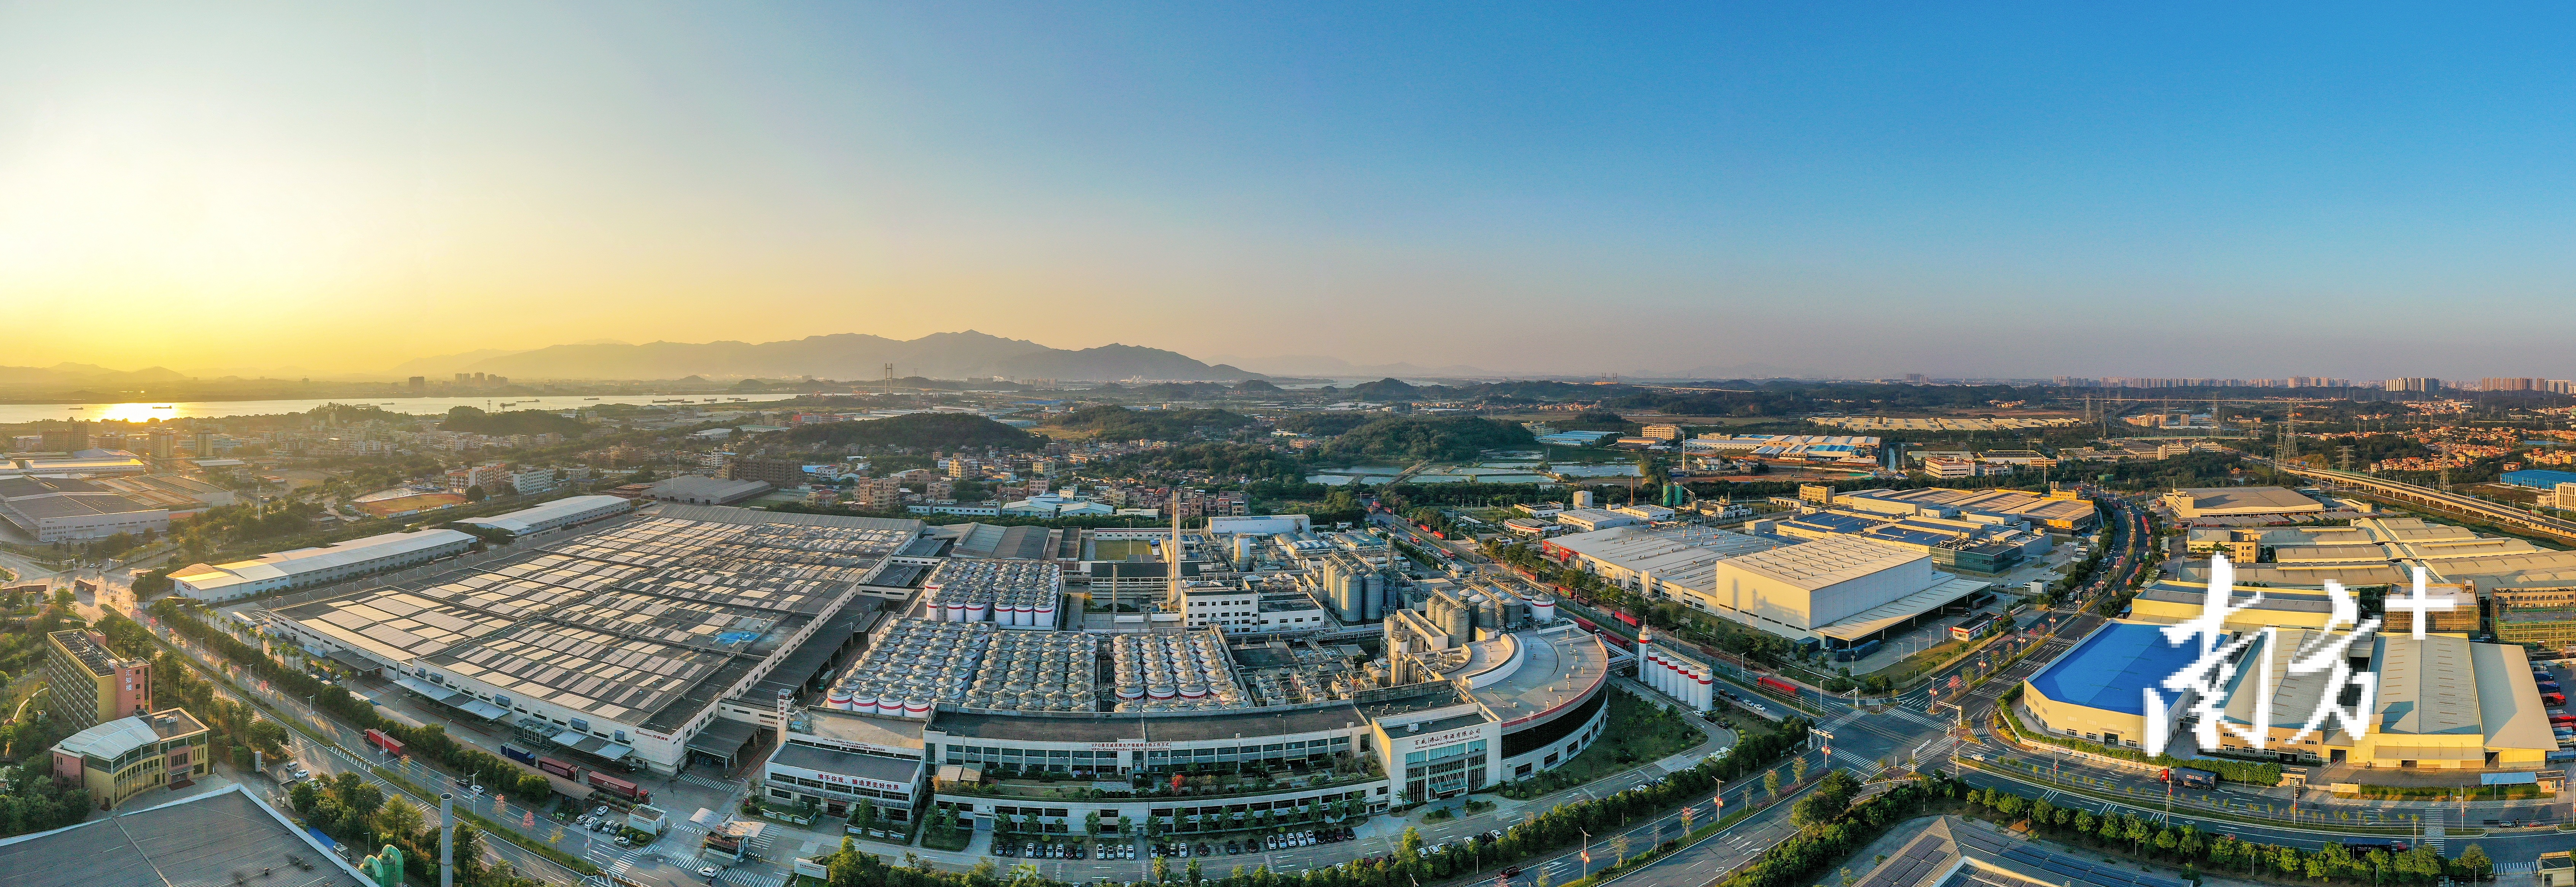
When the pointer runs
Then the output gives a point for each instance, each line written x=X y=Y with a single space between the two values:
x=1542 y=609
x=1373 y=592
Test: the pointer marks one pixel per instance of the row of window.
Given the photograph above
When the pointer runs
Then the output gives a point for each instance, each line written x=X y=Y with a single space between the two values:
x=834 y=807
x=1087 y=759
x=783 y=779
x=1418 y=757
x=1109 y=815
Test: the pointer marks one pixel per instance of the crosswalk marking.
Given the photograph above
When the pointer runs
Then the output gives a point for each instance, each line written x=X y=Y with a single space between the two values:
x=741 y=878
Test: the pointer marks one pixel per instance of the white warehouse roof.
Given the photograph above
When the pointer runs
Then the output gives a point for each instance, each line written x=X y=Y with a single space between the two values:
x=1825 y=561
x=539 y=516
x=288 y=564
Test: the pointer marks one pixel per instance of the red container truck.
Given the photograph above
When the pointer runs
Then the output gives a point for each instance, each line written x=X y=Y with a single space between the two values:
x=391 y=745
x=1779 y=686
x=620 y=788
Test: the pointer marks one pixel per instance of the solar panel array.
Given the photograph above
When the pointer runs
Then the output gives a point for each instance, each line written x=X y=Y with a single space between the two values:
x=741 y=589
x=398 y=626
x=618 y=624
x=1928 y=853
x=683 y=622
x=2065 y=870
x=584 y=669
x=2091 y=873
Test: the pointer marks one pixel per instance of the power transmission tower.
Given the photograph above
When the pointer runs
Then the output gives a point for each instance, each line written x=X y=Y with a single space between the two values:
x=2343 y=457
x=889 y=379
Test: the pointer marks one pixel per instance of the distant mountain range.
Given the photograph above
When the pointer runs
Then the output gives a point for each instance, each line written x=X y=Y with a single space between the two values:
x=1733 y=371
x=843 y=356
x=82 y=374
x=1337 y=368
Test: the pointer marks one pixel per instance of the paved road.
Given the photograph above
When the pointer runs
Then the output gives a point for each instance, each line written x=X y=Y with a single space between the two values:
x=2520 y=845
x=324 y=760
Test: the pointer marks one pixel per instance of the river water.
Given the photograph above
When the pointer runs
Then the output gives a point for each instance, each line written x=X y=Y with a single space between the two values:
x=189 y=409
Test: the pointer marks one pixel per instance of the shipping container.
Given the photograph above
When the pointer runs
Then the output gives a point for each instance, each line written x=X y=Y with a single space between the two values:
x=378 y=739
x=1587 y=625
x=620 y=788
x=524 y=757
x=1777 y=685
x=1856 y=652
x=1623 y=617
x=559 y=768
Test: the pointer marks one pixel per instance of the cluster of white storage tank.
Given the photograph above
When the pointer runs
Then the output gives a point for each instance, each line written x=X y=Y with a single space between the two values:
x=1689 y=680
x=1189 y=671
x=1037 y=673
x=1008 y=609
x=1010 y=594
x=914 y=666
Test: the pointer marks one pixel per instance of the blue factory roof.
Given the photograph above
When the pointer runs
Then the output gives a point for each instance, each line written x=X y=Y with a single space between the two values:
x=1901 y=534
x=2108 y=669
x=1833 y=523
x=2539 y=477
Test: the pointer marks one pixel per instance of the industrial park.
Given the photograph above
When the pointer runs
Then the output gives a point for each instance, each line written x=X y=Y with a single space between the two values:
x=1055 y=445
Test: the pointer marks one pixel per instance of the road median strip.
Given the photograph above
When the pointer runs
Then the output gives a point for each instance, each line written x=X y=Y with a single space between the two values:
x=2194 y=811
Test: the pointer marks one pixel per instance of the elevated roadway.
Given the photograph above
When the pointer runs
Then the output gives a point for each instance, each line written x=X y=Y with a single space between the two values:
x=2501 y=515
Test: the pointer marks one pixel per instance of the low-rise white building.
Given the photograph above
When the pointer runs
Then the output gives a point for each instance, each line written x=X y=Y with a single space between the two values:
x=533 y=481
x=1586 y=520
x=54 y=509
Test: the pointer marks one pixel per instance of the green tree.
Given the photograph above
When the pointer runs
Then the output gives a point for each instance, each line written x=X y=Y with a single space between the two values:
x=1771 y=782
x=2475 y=863
x=1798 y=770
x=475 y=493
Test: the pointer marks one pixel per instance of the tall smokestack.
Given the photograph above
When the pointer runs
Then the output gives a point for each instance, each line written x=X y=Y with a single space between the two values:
x=1173 y=598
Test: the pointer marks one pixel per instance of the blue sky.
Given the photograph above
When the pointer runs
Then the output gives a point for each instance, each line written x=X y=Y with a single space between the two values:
x=2018 y=190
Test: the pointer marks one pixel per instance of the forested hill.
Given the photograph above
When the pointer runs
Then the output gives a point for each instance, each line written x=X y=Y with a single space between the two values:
x=925 y=431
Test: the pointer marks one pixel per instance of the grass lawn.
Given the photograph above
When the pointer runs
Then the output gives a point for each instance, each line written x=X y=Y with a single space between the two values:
x=951 y=840
x=1923 y=660
x=1636 y=733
